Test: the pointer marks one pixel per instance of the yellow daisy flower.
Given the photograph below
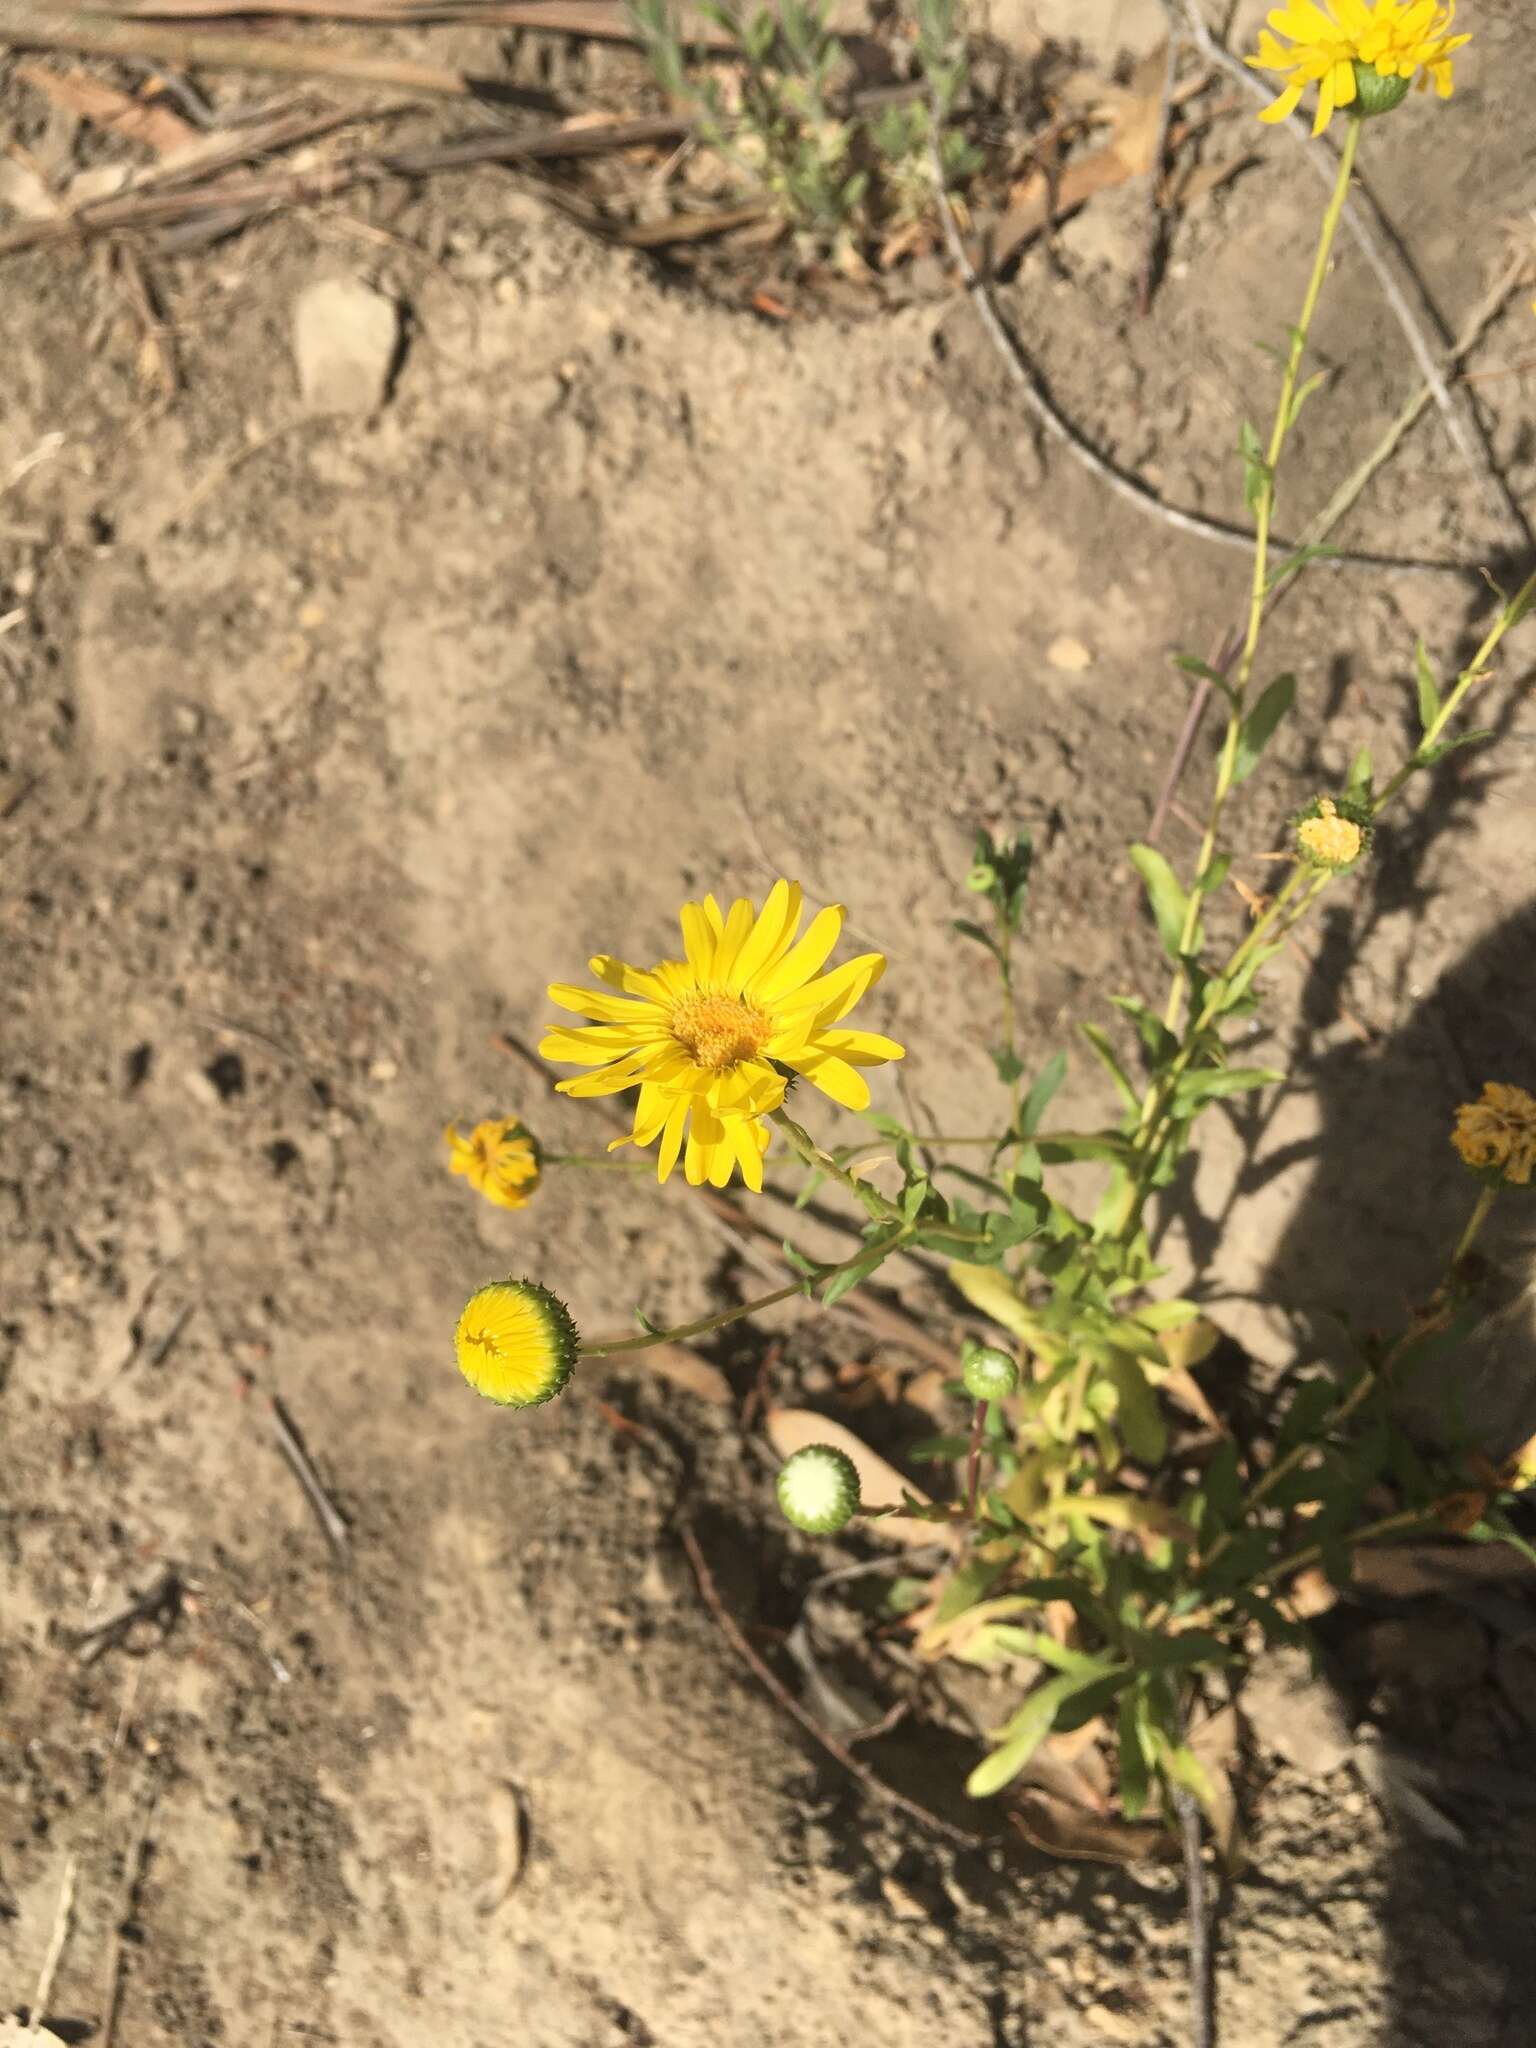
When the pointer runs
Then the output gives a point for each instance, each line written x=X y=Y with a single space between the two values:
x=705 y=1038
x=1396 y=39
x=499 y=1159
x=516 y=1343
x=1497 y=1133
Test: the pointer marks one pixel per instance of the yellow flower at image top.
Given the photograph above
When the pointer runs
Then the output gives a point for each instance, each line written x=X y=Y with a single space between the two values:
x=704 y=1038
x=1360 y=54
x=516 y=1343
x=499 y=1159
x=1497 y=1133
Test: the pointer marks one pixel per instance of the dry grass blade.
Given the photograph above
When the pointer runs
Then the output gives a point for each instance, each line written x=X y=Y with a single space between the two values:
x=599 y=20
x=118 y=112
x=29 y=26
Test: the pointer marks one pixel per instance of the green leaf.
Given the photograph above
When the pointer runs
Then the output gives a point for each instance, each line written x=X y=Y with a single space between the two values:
x=1191 y=1090
x=1142 y=1429
x=1360 y=775
x=1007 y=1062
x=1303 y=393
x=1430 y=755
x=1038 y=1100
x=1170 y=905
x=1429 y=690
x=968 y=930
x=1157 y=1040
x=840 y=1283
x=1192 y=665
x=1062 y=1146
x=1237 y=988
x=1309 y=551
x=1208 y=883
x=971 y=1583
x=1029 y=1727
x=1099 y=1040
x=1259 y=726
x=1258 y=478
x=939 y=1450
x=1135 y=1772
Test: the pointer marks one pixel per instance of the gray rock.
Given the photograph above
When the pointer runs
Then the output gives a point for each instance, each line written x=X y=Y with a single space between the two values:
x=345 y=340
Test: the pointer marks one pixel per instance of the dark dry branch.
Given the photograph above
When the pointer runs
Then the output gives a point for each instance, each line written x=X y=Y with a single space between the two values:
x=326 y=1513
x=875 y=1786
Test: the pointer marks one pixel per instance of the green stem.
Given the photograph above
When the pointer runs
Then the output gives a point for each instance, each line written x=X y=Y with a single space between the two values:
x=1010 y=1013
x=1264 y=511
x=1390 y=1525
x=811 y=1153
x=1486 y=1198
x=682 y=1331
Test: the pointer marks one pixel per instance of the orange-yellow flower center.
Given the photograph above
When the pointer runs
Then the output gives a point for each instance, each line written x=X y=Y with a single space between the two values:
x=718 y=1029
x=1329 y=837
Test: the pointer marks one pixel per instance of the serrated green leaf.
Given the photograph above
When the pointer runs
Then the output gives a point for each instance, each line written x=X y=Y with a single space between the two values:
x=1170 y=904
x=1259 y=725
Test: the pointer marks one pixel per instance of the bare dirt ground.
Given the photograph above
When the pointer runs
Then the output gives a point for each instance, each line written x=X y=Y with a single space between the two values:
x=326 y=743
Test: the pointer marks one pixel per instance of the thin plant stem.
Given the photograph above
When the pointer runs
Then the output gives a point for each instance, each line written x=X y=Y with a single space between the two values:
x=1390 y=1525
x=1264 y=510
x=819 y=1161
x=1487 y=1196
x=973 y=1462
x=682 y=1331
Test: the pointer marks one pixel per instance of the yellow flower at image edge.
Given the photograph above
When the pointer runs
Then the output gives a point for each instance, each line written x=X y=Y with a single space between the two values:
x=703 y=1038
x=1358 y=53
x=1497 y=1133
x=500 y=1160
x=516 y=1343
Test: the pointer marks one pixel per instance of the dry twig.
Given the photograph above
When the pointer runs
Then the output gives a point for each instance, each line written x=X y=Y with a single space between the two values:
x=838 y=1751
x=326 y=1513
x=1466 y=438
x=1062 y=430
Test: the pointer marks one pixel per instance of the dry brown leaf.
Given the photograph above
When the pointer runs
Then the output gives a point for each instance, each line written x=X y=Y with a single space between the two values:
x=105 y=107
x=880 y=1484
x=1062 y=1829
x=511 y=1826
x=695 y=1375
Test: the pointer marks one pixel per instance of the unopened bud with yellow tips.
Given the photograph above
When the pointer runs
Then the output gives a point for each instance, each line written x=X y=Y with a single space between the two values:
x=516 y=1343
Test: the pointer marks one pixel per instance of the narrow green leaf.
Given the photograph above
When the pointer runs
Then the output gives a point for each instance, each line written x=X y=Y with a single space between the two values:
x=1038 y=1100
x=1303 y=393
x=1057 y=1149
x=968 y=930
x=1259 y=726
x=1429 y=689
x=1191 y=1090
x=1431 y=755
x=1007 y=1062
x=1099 y=1040
x=1192 y=665
x=1170 y=904
x=1360 y=775
x=1135 y=1774
x=1029 y=1727
x=1142 y=1429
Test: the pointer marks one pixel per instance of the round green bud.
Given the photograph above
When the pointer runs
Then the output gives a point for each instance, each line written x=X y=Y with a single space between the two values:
x=818 y=1489
x=989 y=1374
x=980 y=877
x=1375 y=94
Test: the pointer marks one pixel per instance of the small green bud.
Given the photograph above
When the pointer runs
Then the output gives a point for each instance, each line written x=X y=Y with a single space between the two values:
x=818 y=1489
x=981 y=878
x=989 y=1374
x=1375 y=94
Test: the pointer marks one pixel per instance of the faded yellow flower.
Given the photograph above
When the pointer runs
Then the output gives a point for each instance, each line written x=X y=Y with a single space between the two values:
x=707 y=1040
x=1497 y=1134
x=1332 y=833
x=516 y=1343
x=499 y=1159
x=1358 y=53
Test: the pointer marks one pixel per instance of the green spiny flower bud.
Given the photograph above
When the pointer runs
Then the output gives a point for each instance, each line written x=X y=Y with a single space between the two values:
x=818 y=1489
x=989 y=1374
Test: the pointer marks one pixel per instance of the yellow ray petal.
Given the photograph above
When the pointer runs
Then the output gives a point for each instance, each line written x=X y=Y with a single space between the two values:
x=802 y=961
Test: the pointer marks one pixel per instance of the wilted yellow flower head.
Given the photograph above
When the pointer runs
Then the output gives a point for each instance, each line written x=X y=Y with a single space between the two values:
x=704 y=1038
x=1332 y=833
x=1358 y=53
x=499 y=1159
x=516 y=1343
x=1496 y=1134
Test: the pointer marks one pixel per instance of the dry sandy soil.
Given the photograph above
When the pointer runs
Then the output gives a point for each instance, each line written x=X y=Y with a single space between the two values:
x=325 y=744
